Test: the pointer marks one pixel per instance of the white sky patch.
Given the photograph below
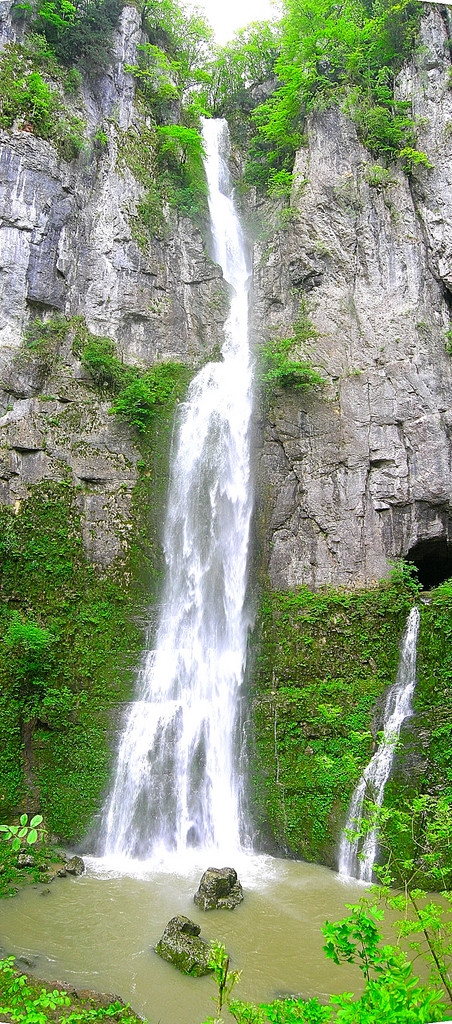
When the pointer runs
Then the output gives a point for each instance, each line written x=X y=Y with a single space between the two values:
x=227 y=16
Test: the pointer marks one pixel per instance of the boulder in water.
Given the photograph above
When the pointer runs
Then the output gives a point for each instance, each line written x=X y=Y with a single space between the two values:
x=219 y=887
x=181 y=946
x=75 y=866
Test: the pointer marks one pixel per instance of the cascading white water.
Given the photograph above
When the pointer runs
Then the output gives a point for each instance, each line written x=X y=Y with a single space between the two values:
x=176 y=785
x=352 y=861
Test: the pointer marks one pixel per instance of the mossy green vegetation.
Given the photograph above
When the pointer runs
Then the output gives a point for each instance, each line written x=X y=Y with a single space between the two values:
x=34 y=103
x=27 y=1000
x=69 y=636
x=280 y=365
x=54 y=716
x=325 y=662
x=433 y=696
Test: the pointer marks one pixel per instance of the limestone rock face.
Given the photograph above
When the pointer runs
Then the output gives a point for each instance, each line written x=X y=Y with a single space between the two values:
x=68 y=247
x=219 y=888
x=350 y=476
x=181 y=946
x=353 y=475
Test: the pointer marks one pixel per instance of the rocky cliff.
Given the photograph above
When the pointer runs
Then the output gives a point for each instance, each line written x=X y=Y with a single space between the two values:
x=359 y=474
x=350 y=475
x=68 y=247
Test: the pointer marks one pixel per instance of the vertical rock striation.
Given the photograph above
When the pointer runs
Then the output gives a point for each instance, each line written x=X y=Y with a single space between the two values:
x=355 y=475
x=68 y=248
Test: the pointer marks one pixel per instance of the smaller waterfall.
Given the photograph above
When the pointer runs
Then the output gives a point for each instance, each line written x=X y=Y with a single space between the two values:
x=352 y=862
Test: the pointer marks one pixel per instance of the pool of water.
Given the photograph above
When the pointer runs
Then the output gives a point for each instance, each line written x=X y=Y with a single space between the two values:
x=98 y=932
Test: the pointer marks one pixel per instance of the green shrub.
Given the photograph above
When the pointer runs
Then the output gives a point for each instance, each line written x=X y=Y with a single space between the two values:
x=79 y=32
x=413 y=158
x=349 y=57
x=139 y=394
x=73 y=82
x=278 y=367
x=378 y=177
x=41 y=346
x=139 y=401
x=98 y=356
x=27 y=1001
x=27 y=98
x=180 y=158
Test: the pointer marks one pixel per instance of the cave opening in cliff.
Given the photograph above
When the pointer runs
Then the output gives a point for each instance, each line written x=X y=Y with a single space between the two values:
x=433 y=561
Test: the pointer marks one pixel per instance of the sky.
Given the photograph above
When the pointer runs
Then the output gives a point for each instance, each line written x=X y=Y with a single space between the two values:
x=226 y=16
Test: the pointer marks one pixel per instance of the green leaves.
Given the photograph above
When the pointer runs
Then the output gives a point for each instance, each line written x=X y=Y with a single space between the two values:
x=80 y=33
x=27 y=830
x=349 y=57
x=392 y=994
x=225 y=979
x=277 y=365
x=27 y=98
x=26 y=1002
x=138 y=402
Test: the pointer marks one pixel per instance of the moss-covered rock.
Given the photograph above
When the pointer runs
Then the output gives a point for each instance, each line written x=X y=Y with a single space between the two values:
x=182 y=947
x=325 y=662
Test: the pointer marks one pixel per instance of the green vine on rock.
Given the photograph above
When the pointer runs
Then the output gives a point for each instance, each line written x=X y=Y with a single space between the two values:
x=278 y=367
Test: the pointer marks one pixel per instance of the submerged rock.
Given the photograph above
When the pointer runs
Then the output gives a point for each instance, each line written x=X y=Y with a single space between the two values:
x=219 y=887
x=181 y=946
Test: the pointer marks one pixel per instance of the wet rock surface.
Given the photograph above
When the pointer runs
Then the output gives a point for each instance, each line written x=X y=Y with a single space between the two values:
x=219 y=888
x=75 y=866
x=182 y=946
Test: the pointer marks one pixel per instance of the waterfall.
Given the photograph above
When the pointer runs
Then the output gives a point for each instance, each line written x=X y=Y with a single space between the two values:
x=176 y=783
x=352 y=862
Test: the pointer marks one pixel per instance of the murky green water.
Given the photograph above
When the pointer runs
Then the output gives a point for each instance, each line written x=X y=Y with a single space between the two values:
x=99 y=931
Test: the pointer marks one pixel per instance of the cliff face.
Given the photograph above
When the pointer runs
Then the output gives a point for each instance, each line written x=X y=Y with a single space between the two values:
x=350 y=477
x=67 y=248
x=357 y=474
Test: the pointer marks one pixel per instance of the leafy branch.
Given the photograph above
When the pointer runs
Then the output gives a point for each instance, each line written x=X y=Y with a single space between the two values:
x=27 y=832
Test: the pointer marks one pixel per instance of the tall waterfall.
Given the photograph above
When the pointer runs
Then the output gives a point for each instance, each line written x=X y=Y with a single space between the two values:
x=352 y=861
x=176 y=783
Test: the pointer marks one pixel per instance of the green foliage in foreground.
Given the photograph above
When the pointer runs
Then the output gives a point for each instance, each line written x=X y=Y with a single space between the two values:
x=409 y=870
x=392 y=993
x=26 y=831
x=29 y=1002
